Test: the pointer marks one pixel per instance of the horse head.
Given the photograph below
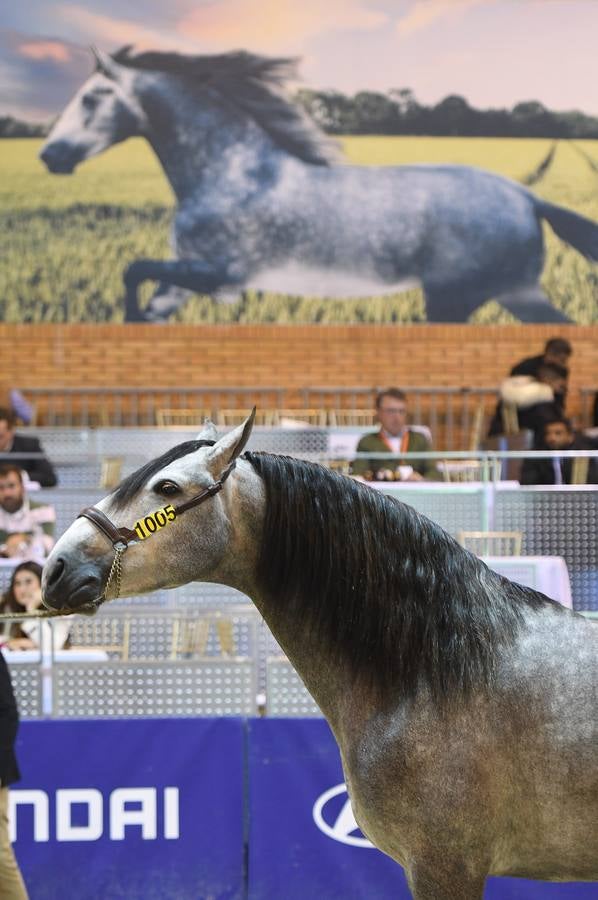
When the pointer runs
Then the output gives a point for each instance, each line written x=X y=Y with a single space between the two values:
x=102 y=112
x=143 y=517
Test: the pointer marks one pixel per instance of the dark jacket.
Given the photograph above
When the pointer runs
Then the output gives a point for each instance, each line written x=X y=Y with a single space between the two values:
x=541 y=471
x=39 y=469
x=534 y=401
x=9 y=723
x=530 y=366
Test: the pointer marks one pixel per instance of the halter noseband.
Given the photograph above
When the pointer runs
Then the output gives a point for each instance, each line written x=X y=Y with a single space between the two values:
x=123 y=537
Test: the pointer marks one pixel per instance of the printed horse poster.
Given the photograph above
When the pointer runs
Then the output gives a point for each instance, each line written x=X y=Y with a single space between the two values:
x=371 y=162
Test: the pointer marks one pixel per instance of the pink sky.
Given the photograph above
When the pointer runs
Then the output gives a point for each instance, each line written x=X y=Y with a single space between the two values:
x=494 y=52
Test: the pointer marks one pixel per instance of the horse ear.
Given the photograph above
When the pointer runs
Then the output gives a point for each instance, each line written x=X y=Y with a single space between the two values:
x=229 y=447
x=104 y=63
x=208 y=432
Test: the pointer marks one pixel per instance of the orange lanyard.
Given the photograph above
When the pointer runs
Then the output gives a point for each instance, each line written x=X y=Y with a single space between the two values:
x=404 y=442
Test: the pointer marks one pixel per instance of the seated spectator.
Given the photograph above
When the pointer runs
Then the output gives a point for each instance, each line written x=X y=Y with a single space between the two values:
x=26 y=528
x=394 y=437
x=25 y=595
x=556 y=352
x=535 y=398
x=38 y=469
x=557 y=434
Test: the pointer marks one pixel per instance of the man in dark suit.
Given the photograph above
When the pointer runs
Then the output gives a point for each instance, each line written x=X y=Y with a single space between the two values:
x=12 y=886
x=558 y=434
x=38 y=468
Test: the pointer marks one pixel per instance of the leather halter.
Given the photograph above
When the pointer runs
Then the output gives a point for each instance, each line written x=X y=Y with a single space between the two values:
x=122 y=537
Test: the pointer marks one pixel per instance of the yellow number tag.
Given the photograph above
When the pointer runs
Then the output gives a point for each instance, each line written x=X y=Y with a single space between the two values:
x=152 y=523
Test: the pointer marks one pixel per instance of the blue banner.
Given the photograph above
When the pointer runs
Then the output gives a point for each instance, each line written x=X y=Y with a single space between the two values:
x=304 y=841
x=202 y=809
x=149 y=808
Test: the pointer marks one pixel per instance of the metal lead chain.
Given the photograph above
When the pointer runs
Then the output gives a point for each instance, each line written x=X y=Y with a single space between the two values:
x=115 y=571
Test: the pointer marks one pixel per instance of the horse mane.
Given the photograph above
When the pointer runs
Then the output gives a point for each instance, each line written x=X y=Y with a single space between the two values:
x=385 y=588
x=255 y=85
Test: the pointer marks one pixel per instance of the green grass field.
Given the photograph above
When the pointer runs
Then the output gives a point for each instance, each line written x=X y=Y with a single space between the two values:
x=65 y=241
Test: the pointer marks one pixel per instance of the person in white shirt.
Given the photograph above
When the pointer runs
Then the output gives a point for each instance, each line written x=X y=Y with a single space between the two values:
x=25 y=595
x=26 y=528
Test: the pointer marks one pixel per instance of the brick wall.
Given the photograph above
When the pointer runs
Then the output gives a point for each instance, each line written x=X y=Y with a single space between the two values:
x=291 y=356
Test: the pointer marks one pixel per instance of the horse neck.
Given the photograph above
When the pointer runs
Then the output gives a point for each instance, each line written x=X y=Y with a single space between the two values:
x=201 y=141
x=327 y=681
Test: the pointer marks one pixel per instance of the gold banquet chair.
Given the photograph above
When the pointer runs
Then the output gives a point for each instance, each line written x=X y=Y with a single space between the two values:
x=190 y=636
x=230 y=417
x=457 y=470
x=111 y=471
x=191 y=418
x=492 y=543
x=579 y=470
x=477 y=427
x=111 y=634
x=510 y=418
x=343 y=418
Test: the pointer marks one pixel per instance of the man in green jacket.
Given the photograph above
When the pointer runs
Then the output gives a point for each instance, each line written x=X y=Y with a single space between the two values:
x=397 y=438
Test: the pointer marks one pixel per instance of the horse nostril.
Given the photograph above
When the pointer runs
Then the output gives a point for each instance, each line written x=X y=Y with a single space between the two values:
x=55 y=574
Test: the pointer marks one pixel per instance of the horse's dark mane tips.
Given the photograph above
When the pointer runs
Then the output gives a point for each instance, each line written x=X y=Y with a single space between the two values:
x=130 y=486
x=255 y=84
x=385 y=588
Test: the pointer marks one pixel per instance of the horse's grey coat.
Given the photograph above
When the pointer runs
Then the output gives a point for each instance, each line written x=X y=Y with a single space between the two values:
x=262 y=204
x=501 y=780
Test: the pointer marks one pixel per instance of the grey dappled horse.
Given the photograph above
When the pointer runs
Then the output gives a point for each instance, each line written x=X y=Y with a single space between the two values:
x=262 y=202
x=465 y=706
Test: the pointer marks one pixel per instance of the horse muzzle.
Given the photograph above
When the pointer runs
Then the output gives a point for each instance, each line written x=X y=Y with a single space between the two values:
x=72 y=588
x=61 y=157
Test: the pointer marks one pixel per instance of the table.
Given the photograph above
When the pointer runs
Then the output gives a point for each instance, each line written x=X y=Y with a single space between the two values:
x=548 y=574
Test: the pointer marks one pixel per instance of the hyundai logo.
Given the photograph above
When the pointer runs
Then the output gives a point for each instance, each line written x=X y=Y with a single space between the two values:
x=335 y=817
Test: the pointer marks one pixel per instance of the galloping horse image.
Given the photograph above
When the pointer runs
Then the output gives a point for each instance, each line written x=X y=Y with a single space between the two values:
x=264 y=203
x=465 y=706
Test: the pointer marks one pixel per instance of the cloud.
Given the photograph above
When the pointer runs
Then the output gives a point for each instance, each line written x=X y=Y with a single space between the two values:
x=425 y=12
x=38 y=75
x=108 y=30
x=54 y=50
x=274 y=25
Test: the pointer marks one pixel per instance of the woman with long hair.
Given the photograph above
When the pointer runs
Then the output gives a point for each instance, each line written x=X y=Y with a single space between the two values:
x=24 y=594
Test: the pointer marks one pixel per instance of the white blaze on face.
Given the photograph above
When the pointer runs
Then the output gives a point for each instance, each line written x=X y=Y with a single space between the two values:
x=96 y=116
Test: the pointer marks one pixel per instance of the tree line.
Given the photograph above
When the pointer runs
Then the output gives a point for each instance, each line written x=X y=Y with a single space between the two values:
x=14 y=128
x=399 y=112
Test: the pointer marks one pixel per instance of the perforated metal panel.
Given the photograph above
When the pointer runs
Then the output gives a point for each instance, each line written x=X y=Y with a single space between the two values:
x=458 y=509
x=28 y=687
x=124 y=690
x=286 y=695
x=67 y=503
x=129 y=632
x=558 y=523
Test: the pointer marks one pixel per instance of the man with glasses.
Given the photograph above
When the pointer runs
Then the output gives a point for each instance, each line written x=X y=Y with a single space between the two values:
x=396 y=437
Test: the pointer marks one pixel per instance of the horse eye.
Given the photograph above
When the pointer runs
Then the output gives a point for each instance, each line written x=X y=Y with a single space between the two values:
x=89 y=101
x=167 y=488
